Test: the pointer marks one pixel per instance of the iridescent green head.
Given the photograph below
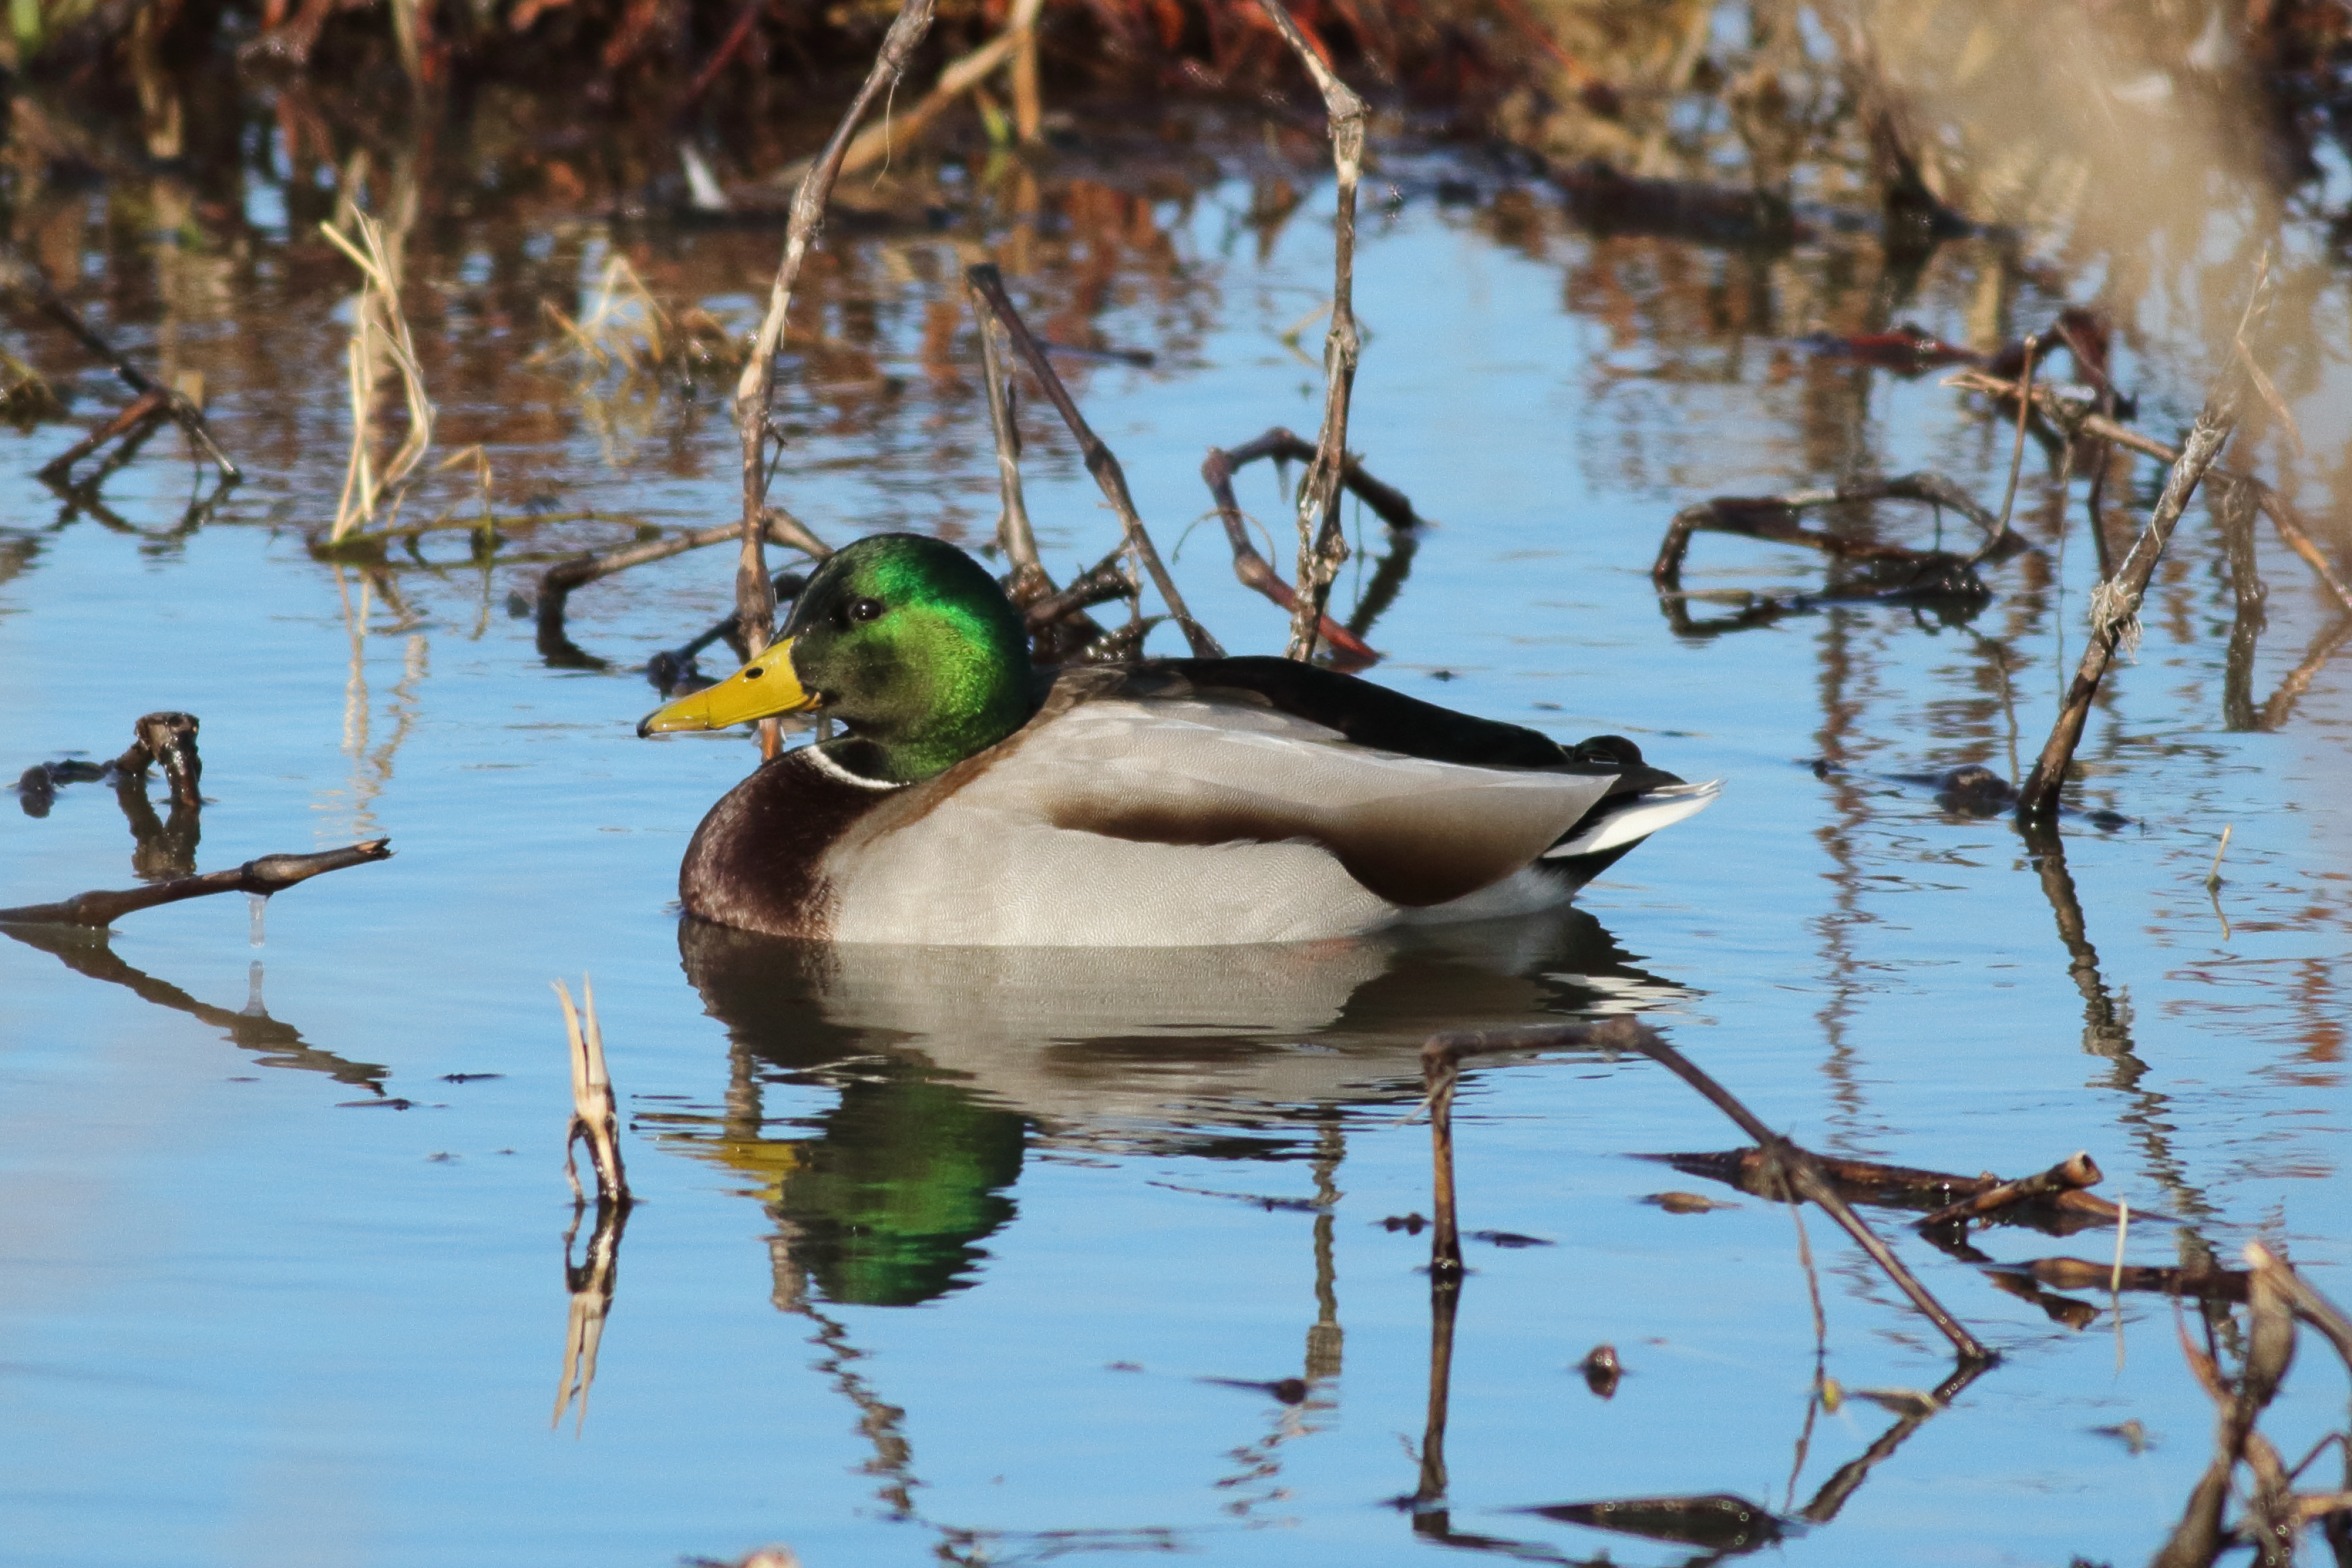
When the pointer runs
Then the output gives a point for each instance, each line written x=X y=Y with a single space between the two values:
x=906 y=640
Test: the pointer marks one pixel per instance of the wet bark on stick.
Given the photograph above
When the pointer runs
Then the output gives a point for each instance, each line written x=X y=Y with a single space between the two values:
x=1321 y=543
x=987 y=286
x=2074 y=1172
x=136 y=415
x=755 y=603
x=268 y=875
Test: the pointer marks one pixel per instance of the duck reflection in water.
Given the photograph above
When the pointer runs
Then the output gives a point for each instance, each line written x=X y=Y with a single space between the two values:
x=950 y=1061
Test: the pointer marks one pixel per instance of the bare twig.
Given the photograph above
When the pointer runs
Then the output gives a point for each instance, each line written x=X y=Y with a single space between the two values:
x=1013 y=533
x=2116 y=607
x=1104 y=581
x=135 y=416
x=988 y=286
x=268 y=875
x=1217 y=471
x=595 y=1119
x=2078 y=418
x=755 y=603
x=1440 y=1061
x=556 y=586
x=2076 y=1171
x=874 y=145
x=2017 y=449
x=1321 y=543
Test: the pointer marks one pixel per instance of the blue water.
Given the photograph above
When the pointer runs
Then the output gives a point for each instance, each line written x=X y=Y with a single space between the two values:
x=941 y=1258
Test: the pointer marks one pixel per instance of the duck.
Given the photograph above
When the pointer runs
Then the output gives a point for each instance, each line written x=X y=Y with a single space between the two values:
x=973 y=799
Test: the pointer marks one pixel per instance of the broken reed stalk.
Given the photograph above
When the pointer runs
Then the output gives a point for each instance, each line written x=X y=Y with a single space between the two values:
x=2071 y=1174
x=1217 y=471
x=596 y=1119
x=1013 y=533
x=1321 y=543
x=1441 y=1059
x=378 y=327
x=23 y=277
x=987 y=286
x=2115 y=606
x=755 y=600
x=268 y=875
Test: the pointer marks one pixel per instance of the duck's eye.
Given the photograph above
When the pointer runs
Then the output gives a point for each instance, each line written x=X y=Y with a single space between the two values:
x=865 y=609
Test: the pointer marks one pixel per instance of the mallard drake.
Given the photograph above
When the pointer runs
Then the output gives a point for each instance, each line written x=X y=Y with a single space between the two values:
x=975 y=800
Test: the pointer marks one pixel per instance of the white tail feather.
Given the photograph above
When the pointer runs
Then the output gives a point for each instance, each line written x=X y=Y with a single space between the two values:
x=1639 y=817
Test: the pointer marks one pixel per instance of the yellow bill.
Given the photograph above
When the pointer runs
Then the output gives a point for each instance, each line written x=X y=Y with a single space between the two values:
x=766 y=686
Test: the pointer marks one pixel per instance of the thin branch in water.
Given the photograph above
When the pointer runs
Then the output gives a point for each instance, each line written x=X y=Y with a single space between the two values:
x=1441 y=1059
x=22 y=277
x=2017 y=450
x=2074 y=1172
x=988 y=287
x=1322 y=545
x=270 y=874
x=755 y=603
x=2081 y=420
x=555 y=587
x=2115 y=608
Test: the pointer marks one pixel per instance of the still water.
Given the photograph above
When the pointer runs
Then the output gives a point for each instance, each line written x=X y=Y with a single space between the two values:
x=1011 y=1256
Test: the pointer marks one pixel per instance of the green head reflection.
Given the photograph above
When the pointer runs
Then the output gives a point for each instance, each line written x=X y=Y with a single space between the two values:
x=886 y=1207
